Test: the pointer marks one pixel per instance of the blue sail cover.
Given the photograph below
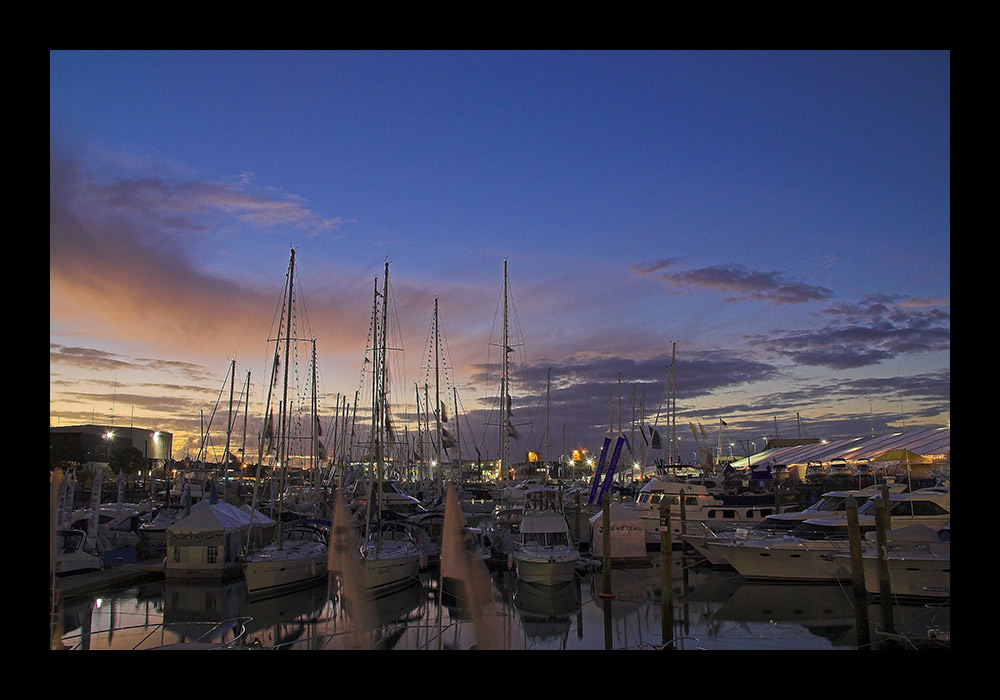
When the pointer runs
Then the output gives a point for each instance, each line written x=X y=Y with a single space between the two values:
x=600 y=468
x=622 y=441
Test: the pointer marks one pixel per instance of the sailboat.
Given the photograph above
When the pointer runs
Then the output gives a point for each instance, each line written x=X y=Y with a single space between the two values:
x=387 y=562
x=502 y=530
x=298 y=555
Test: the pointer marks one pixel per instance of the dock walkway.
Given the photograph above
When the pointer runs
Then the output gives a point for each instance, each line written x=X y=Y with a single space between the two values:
x=110 y=579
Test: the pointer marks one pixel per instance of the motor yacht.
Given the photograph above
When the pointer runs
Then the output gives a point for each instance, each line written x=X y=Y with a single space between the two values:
x=699 y=506
x=76 y=554
x=918 y=560
x=706 y=538
x=543 y=554
x=814 y=550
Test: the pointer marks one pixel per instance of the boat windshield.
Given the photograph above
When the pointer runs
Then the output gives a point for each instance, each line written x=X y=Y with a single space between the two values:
x=69 y=542
x=545 y=539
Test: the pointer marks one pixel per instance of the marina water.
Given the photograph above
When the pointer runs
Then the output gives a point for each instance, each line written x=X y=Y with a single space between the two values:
x=713 y=609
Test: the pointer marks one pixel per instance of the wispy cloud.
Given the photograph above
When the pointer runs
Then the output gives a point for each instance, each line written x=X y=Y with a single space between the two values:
x=92 y=359
x=740 y=283
x=877 y=328
x=120 y=257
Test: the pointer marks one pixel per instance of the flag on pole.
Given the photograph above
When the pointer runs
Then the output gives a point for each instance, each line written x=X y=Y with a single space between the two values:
x=622 y=441
x=656 y=439
x=600 y=468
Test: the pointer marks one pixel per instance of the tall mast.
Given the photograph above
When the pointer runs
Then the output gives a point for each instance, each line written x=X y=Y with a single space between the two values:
x=437 y=393
x=548 y=380
x=672 y=408
x=282 y=432
x=504 y=389
x=373 y=437
x=458 y=431
x=419 y=439
x=313 y=433
x=246 y=412
x=383 y=408
x=229 y=425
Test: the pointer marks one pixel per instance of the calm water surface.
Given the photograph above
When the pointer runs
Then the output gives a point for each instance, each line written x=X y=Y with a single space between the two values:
x=712 y=609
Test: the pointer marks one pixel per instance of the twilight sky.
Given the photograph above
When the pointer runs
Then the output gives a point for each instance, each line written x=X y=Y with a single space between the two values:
x=783 y=217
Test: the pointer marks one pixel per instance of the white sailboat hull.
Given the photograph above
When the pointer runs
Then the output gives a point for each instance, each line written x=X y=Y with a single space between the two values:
x=273 y=570
x=389 y=568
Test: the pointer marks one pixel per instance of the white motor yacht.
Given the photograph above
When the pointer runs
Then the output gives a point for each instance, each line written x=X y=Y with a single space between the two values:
x=699 y=506
x=74 y=554
x=918 y=560
x=118 y=522
x=707 y=537
x=543 y=554
x=814 y=550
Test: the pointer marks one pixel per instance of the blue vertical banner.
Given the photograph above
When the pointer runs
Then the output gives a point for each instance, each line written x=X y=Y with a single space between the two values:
x=600 y=469
x=622 y=440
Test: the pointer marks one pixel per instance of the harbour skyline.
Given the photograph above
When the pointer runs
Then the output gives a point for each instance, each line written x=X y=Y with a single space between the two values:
x=783 y=217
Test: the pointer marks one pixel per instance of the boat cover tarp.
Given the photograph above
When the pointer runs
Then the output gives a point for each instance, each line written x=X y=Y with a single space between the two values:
x=628 y=536
x=543 y=521
x=909 y=533
x=208 y=517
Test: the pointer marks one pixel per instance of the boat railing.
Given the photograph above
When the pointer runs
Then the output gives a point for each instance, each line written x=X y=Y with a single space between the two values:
x=214 y=630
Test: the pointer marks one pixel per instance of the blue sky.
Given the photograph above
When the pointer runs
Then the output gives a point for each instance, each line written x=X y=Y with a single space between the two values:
x=784 y=217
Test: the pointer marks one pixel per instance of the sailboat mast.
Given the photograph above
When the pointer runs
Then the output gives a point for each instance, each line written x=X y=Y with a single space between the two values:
x=383 y=407
x=313 y=435
x=672 y=408
x=437 y=390
x=246 y=412
x=373 y=438
x=548 y=384
x=229 y=425
x=458 y=431
x=504 y=389
x=283 y=423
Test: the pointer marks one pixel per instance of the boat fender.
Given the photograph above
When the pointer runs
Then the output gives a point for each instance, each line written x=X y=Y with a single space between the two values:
x=510 y=561
x=423 y=560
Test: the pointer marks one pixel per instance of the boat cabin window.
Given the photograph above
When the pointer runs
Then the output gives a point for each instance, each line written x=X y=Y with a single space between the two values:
x=779 y=524
x=725 y=514
x=810 y=531
x=927 y=508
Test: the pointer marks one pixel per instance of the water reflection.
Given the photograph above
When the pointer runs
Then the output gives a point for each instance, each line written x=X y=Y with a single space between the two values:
x=711 y=609
x=547 y=613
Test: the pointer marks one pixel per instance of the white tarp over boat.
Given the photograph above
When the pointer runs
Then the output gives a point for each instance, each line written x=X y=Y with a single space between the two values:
x=628 y=534
x=207 y=542
x=207 y=517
